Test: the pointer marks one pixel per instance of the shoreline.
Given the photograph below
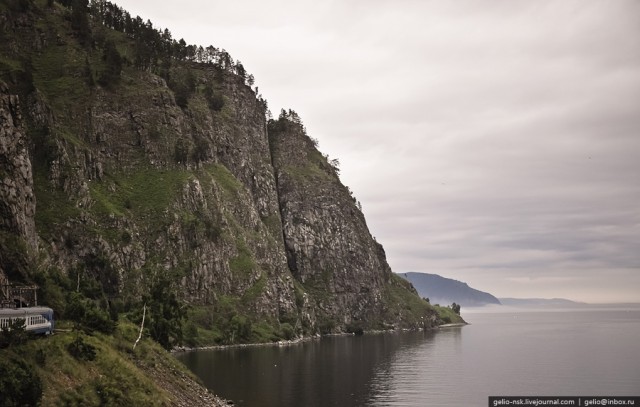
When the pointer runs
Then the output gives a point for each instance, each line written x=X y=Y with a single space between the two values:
x=245 y=345
x=454 y=325
x=183 y=349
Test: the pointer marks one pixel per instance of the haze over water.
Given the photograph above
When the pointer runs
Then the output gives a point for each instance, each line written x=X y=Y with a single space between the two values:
x=584 y=352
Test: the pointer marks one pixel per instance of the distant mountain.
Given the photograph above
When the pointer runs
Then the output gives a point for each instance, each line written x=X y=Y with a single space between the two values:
x=540 y=302
x=444 y=291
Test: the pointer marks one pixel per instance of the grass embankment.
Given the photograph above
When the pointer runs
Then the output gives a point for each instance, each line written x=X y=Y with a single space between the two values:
x=410 y=308
x=448 y=316
x=113 y=374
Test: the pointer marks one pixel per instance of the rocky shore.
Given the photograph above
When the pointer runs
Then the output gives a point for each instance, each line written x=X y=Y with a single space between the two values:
x=300 y=339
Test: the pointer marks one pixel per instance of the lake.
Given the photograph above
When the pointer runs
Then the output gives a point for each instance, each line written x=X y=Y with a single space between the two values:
x=585 y=352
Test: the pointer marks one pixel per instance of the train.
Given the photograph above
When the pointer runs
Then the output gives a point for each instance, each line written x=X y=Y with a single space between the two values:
x=38 y=320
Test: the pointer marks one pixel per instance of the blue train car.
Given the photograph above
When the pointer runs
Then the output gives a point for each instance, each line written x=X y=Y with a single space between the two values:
x=38 y=320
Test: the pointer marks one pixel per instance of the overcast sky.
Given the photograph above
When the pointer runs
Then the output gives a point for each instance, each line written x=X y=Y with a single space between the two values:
x=493 y=142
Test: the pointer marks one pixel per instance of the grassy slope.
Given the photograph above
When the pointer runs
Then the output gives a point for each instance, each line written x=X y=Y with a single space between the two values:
x=120 y=376
x=402 y=301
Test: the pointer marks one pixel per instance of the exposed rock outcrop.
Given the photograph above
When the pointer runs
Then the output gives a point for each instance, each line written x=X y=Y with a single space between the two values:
x=329 y=248
x=18 y=237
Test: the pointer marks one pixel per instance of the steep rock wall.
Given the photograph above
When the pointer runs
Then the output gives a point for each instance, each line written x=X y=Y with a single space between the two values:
x=18 y=237
x=329 y=248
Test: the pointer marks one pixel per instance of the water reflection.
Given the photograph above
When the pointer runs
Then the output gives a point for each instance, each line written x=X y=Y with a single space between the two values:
x=336 y=371
x=416 y=368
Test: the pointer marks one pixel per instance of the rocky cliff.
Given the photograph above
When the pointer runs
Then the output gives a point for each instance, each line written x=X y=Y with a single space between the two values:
x=17 y=200
x=329 y=249
x=110 y=181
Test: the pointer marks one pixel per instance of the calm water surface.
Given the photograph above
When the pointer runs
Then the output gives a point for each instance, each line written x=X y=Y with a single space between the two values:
x=550 y=353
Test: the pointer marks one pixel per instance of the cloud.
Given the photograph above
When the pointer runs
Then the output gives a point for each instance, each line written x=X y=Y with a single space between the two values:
x=495 y=142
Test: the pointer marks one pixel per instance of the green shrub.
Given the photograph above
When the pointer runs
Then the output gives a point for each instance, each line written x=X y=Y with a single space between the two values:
x=326 y=325
x=238 y=329
x=87 y=316
x=41 y=357
x=190 y=334
x=287 y=331
x=113 y=65
x=13 y=334
x=18 y=6
x=53 y=285
x=81 y=350
x=215 y=100
x=110 y=393
x=19 y=384
x=456 y=308
x=355 y=329
x=183 y=84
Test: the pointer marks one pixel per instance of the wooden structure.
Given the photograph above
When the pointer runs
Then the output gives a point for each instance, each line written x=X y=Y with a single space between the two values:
x=18 y=296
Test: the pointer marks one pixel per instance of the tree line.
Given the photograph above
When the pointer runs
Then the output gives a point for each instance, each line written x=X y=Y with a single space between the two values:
x=154 y=47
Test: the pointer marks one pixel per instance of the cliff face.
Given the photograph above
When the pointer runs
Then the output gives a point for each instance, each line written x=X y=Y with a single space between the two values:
x=17 y=200
x=152 y=185
x=117 y=183
x=329 y=248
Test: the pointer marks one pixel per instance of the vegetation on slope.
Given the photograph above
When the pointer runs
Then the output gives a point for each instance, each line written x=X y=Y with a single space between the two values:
x=404 y=302
x=75 y=368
